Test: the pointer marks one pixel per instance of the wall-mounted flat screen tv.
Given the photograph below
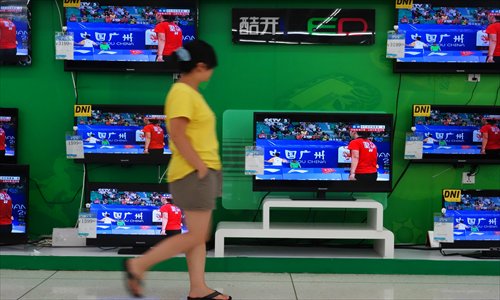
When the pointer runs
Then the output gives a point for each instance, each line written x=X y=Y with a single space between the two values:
x=119 y=35
x=446 y=36
x=8 y=135
x=130 y=214
x=14 y=202
x=475 y=220
x=312 y=151
x=455 y=134
x=117 y=134
x=15 y=32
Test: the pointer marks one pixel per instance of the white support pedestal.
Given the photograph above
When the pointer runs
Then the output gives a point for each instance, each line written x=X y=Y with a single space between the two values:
x=372 y=230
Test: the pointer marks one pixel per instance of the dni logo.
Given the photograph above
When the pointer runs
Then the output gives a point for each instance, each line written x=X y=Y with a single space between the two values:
x=327 y=26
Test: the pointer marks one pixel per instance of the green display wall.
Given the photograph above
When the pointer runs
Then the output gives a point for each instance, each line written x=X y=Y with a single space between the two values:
x=249 y=77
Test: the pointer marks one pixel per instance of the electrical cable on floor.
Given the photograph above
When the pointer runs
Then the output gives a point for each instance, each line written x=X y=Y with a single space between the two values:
x=260 y=204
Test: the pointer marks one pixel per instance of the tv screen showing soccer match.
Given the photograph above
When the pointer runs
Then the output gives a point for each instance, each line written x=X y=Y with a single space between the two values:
x=133 y=208
x=14 y=195
x=126 y=35
x=475 y=215
x=446 y=36
x=118 y=133
x=8 y=135
x=455 y=133
x=304 y=151
x=15 y=29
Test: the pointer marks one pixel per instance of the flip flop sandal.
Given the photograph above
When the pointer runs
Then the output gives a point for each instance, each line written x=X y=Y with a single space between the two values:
x=208 y=297
x=131 y=277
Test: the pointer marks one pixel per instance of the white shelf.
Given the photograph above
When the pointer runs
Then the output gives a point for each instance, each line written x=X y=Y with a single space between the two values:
x=372 y=230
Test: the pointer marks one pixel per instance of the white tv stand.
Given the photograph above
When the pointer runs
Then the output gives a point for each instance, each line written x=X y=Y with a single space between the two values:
x=371 y=230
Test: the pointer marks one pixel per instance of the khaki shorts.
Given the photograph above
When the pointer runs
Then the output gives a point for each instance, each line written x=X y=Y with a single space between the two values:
x=192 y=193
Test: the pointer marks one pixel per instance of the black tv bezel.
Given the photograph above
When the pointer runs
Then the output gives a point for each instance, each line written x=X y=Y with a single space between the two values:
x=449 y=68
x=23 y=60
x=127 y=66
x=477 y=245
x=125 y=240
x=17 y=170
x=14 y=113
x=125 y=159
x=459 y=159
x=324 y=186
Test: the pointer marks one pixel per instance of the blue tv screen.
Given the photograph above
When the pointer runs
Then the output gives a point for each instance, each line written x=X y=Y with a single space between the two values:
x=313 y=152
x=114 y=134
x=452 y=133
x=112 y=35
x=446 y=36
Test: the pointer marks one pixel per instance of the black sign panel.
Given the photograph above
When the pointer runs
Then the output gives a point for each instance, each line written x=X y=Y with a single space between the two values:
x=304 y=26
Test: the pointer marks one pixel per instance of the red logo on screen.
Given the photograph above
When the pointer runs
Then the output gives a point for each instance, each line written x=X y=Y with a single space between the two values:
x=466 y=147
x=136 y=52
x=466 y=53
x=128 y=146
x=327 y=170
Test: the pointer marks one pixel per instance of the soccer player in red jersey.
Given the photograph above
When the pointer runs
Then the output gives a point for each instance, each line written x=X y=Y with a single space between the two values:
x=490 y=134
x=169 y=36
x=5 y=212
x=171 y=218
x=155 y=137
x=363 y=157
x=493 y=31
x=2 y=144
x=8 y=42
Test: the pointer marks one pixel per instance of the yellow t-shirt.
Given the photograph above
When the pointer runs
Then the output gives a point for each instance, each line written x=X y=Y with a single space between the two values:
x=184 y=101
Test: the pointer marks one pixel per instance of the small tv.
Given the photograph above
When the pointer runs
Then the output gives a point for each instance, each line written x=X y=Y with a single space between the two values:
x=446 y=37
x=475 y=220
x=117 y=35
x=15 y=18
x=114 y=134
x=128 y=214
x=14 y=203
x=313 y=147
x=452 y=133
x=8 y=135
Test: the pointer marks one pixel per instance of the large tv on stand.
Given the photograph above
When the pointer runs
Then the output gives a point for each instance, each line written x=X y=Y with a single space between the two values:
x=14 y=203
x=114 y=134
x=476 y=225
x=446 y=36
x=128 y=214
x=313 y=149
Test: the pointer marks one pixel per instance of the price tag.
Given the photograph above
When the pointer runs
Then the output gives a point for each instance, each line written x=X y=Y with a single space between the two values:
x=87 y=225
x=395 y=44
x=74 y=146
x=65 y=45
x=443 y=229
x=414 y=145
x=254 y=160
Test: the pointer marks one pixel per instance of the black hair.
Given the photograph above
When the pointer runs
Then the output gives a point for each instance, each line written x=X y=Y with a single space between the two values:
x=277 y=154
x=195 y=52
x=364 y=134
x=491 y=121
x=153 y=121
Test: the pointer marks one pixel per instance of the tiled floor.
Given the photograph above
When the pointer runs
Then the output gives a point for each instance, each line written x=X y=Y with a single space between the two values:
x=20 y=284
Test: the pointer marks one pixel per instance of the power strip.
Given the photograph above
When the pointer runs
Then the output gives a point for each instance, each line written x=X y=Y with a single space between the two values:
x=67 y=237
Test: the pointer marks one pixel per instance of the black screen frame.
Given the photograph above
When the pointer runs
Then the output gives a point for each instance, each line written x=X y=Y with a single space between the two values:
x=459 y=159
x=22 y=171
x=323 y=186
x=477 y=245
x=14 y=114
x=169 y=66
x=125 y=159
x=448 y=68
x=122 y=240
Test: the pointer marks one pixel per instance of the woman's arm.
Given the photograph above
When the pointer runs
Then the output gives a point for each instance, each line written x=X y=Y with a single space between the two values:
x=178 y=136
x=493 y=42
x=484 y=142
x=354 y=164
x=147 y=137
